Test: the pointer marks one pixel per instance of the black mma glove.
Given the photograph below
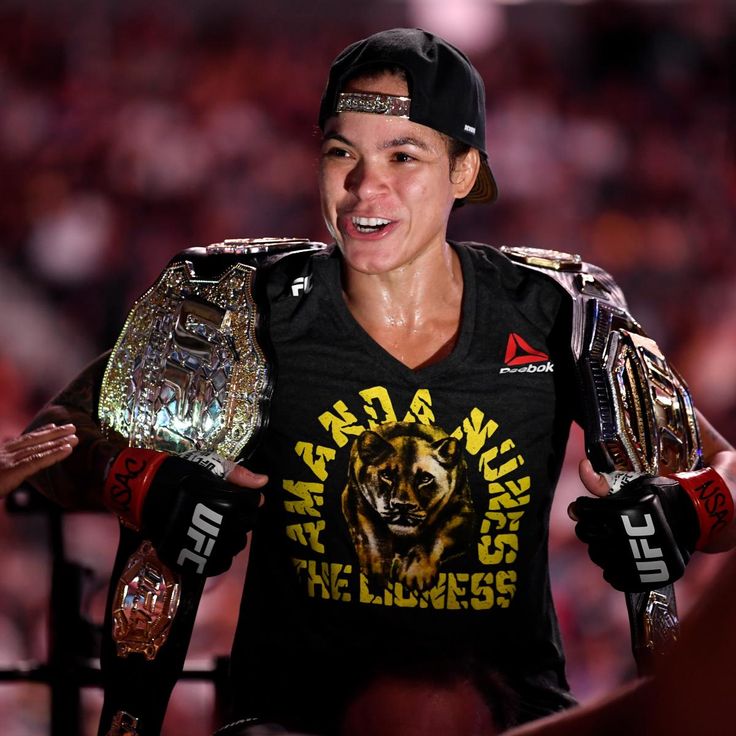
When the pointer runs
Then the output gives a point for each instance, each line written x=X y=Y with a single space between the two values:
x=196 y=520
x=643 y=536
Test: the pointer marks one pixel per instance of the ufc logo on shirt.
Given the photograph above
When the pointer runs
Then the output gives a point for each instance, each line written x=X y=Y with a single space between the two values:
x=203 y=530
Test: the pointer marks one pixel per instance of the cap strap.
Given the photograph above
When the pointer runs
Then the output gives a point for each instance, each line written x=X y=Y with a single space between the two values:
x=374 y=103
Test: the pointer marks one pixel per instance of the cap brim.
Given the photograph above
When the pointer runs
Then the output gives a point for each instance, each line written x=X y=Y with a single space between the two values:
x=484 y=189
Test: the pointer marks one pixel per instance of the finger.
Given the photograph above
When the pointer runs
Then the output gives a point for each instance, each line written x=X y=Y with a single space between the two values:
x=588 y=510
x=50 y=425
x=11 y=476
x=44 y=455
x=227 y=469
x=49 y=457
x=41 y=449
x=241 y=476
x=591 y=532
x=594 y=482
x=47 y=433
x=587 y=507
x=571 y=512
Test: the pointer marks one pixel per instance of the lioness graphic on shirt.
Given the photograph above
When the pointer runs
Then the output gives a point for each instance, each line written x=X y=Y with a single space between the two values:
x=407 y=503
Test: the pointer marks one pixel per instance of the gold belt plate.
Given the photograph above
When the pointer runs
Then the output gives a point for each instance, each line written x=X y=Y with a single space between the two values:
x=655 y=419
x=145 y=603
x=187 y=371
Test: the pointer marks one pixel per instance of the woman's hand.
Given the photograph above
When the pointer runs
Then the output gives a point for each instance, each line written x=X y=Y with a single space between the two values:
x=23 y=456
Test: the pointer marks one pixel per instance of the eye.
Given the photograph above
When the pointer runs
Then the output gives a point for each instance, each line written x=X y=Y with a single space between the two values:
x=336 y=152
x=424 y=478
x=385 y=476
x=403 y=158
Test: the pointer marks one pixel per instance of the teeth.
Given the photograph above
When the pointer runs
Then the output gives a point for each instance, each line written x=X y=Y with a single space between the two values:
x=370 y=222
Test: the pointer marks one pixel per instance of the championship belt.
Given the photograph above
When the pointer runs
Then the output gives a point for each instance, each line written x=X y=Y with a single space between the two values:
x=640 y=417
x=188 y=372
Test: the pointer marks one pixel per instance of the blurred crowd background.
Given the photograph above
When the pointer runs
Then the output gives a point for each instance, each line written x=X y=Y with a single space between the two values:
x=129 y=131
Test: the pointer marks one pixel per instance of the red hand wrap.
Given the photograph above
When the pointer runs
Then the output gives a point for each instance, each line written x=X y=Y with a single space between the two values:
x=712 y=500
x=128 y=481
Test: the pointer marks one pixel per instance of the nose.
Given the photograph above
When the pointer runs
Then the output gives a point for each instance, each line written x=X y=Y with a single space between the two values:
x=366 y=180
x=402 y=507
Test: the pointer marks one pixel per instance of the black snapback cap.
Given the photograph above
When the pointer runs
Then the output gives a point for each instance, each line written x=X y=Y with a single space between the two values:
x=446 y=92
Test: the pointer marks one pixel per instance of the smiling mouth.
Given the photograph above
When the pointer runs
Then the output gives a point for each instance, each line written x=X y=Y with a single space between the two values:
x=369 y=224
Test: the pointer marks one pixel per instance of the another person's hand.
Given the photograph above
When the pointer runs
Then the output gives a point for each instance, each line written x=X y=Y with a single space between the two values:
x=644 y=535
x=196 y=509
x=23 y=456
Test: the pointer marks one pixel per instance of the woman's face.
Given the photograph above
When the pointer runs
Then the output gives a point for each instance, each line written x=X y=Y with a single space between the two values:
x=385 y=184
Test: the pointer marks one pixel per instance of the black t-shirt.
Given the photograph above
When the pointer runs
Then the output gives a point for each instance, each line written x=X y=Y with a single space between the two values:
x=407 y=510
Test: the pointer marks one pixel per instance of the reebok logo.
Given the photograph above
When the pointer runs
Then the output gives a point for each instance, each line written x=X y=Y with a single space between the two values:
x=521 y=357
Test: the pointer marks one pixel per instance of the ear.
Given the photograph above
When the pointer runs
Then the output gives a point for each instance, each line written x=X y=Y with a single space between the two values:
x=448 y=451
x=465 y=172
x=372 y=448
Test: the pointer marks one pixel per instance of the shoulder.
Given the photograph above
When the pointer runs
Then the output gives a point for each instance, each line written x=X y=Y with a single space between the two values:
x=578 y=278
x=499 y=261
x=495 y=269
x=523 y=267
x=254 y=253
x=278 y=266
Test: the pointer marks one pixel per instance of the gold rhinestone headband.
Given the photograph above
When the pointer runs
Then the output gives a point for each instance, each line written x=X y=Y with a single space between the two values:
x=374 y=103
